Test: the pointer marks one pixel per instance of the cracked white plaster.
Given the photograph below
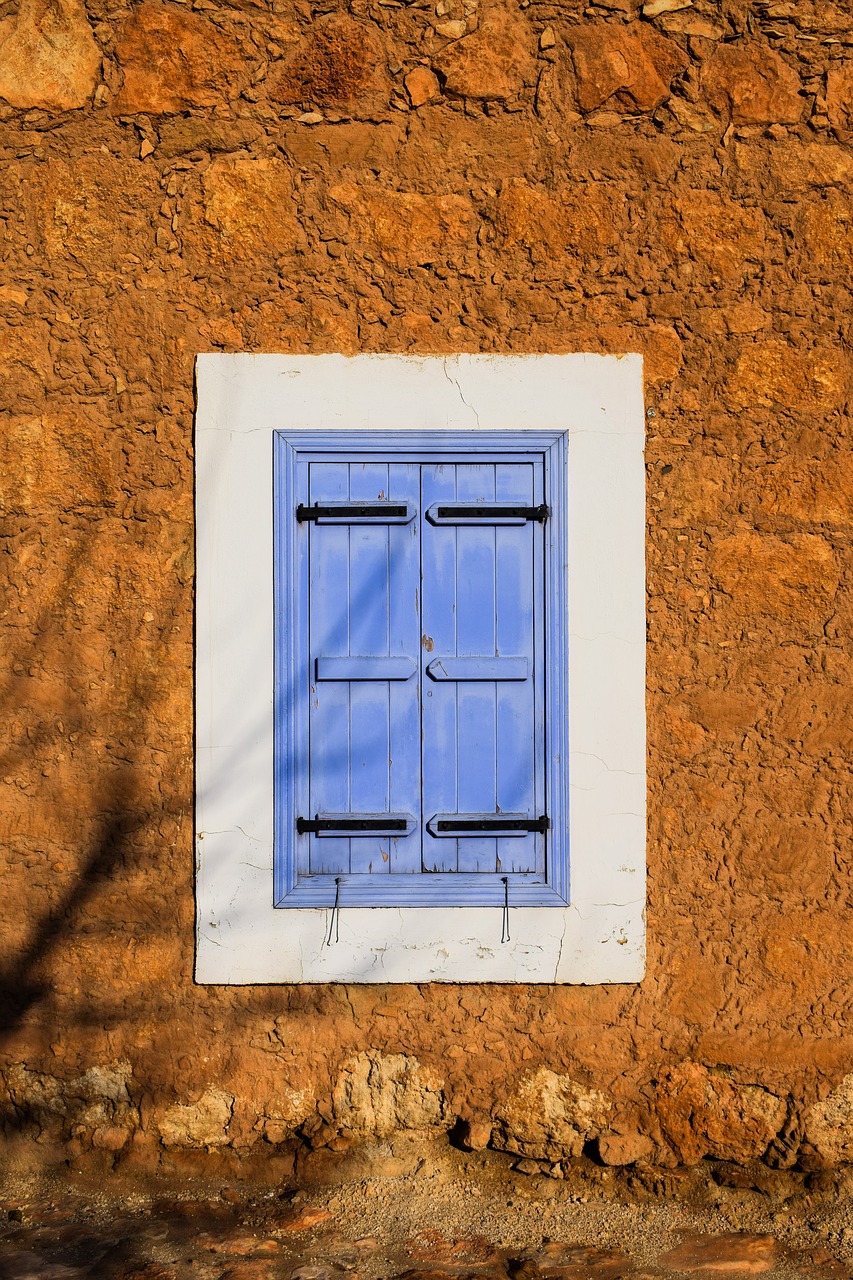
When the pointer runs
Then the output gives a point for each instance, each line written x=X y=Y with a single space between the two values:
x=597 y=400
x=458 y=387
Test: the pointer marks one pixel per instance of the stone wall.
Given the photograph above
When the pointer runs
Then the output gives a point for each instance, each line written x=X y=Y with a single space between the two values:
x=459 y=175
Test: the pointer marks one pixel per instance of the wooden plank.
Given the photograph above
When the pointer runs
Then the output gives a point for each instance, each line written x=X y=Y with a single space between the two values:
x=370 y=731
x=404 y=700
x=328 y=593
x=476 y=638
x=365 y=668
x=479 y=669
x=439 y=743
x=516 y=747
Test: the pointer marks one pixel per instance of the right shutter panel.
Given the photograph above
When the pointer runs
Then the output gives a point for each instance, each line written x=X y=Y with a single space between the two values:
x=483 y=738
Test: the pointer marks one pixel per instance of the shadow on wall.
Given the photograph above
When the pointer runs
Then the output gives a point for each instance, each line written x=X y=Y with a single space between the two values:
x=96 y=807
x=95 y=781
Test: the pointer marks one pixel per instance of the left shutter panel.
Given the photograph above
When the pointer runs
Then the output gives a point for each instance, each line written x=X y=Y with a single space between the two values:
x=364 y=704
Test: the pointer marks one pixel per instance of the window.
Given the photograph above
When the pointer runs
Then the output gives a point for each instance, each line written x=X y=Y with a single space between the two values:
x=420 y=670
x=418 y=692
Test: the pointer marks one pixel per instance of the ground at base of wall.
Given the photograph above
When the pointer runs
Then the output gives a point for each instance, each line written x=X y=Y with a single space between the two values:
x=449 y=1220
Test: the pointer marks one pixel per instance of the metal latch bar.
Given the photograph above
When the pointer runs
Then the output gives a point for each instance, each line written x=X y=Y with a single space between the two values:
x=490 y=512
x=314 y=826
x=497 y=823
x=375 y=511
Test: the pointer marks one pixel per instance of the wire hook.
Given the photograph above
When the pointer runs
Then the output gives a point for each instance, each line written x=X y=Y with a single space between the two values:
x=334 y=918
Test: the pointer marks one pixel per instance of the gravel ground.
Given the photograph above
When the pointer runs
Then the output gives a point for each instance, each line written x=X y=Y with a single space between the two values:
x=453 y=1216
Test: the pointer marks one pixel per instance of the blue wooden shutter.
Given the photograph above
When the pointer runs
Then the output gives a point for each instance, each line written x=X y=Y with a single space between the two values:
x=363 y=645
x=483 y=733
x=413 y=759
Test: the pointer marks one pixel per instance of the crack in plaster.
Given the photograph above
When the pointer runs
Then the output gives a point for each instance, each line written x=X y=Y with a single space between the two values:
x=455 y=382
x=629 y=773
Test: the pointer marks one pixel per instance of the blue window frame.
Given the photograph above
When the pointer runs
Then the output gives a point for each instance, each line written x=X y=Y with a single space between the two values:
x=421 y=702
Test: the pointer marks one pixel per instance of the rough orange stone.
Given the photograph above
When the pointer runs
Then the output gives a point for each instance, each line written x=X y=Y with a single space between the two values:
x=347 y=144
x=202 y=1123
x=476 y=1134
x=249 y=204
x=455 y=143
x=48 y=56
x=25 y=370
x=764 y=574
x=819 y=491
x=800 y=950
x=752 y=84
x=376 y=1095
x=194 y=134
x=634 y=65
x=493 y=63
x=839 y=99
x=95 y=212
x=774 y=853
x=775 y=374
x=720 y=233
x=745 y=317
x=422 y=86
x=549 y=1116
x=728 y=1254
x=624 y=1148
x=173 y=60
x=677 y=731
x=578 y=220
x=702 y=1114
x=47 y=457
x=304 y=1218
x=816 y=717
x=795 y=166
x=405 y=226
x=726 y=712
x=340 y=64
x=824 y=231
x=110 y=1138
x=829 y=1124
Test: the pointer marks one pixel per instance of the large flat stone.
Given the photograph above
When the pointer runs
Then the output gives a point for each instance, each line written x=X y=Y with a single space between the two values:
x=495 y=62
x=48 y=56
x=340 y=64
x=733 y=1253
x=752 y=84
x=172 y=61
x=633 y=65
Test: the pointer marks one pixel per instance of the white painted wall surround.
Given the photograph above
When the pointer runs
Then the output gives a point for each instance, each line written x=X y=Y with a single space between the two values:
x=242 y=399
